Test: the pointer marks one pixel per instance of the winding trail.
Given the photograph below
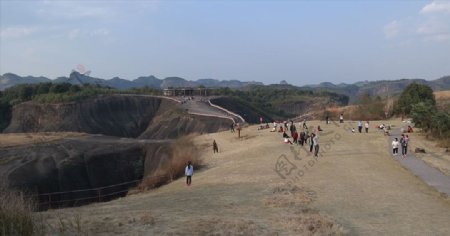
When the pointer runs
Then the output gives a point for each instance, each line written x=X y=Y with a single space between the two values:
x=428 y=174
x=197 y=106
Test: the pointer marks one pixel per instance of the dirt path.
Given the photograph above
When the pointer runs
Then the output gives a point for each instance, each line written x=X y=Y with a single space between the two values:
x=355 y=184
x=428 y=174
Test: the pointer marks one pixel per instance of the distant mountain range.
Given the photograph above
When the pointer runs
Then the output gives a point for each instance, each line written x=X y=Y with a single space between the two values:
x=381 y=88
x=9 y=80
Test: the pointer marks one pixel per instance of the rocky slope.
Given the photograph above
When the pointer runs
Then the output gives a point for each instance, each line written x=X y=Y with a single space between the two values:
x=80 y=163
x=125 y=116
x=115 y=115
x=107 y=155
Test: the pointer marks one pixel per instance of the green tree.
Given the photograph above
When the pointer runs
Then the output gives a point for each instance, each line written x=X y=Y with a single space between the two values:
x=422 y=114
x=25 y=92
x=43 y=88
x=440 y=124
x=414 y=94
x=75 y=88
x=60 y=88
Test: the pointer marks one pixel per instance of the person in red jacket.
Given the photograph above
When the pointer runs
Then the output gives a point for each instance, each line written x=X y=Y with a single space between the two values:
x=295 y=136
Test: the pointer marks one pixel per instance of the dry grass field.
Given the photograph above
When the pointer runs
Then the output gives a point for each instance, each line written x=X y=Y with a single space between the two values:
x=442 y=95
x=435 y=154
x=355 y=187
x=443 y=99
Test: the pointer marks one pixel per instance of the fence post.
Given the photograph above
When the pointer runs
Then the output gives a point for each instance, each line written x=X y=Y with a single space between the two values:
x=49 y=201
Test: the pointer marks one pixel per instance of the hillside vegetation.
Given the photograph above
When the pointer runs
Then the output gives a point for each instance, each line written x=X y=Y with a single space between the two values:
x=418 y=102
x=55 y=93
x=276 y=101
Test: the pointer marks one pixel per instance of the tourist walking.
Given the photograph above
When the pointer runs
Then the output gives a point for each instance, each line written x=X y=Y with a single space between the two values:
x=360 y=126
x=341 y=118
x=232 y=127
x=189 y=171
x=215 y=147
x=367 y=126
x=395 y=145
x=404 y=143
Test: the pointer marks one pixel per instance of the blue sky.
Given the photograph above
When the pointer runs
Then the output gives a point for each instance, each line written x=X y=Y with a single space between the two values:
x=302 y=42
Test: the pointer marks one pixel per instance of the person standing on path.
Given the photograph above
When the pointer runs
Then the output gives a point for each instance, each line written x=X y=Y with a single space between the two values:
x=302 y=137
x=189 y=171
x=295 y=137
x=215 y=147
x=292 y=128
x=405 y=145
x=341 y=118
x=395 y=145
x=304 y=124
x=311 y=142
x=316 y=145
x=360 y=126
x=367 y=126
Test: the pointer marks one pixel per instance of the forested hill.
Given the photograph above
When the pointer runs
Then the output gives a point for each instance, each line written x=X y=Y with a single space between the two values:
x=9 y=80
x=381 y=88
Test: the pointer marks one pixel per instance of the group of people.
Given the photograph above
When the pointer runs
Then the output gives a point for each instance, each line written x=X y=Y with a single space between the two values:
x=305 y=137
x=360 y=126
x=402 y=143
x=186 y=99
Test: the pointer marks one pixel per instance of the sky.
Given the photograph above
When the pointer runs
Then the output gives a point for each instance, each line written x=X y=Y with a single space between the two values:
x=302 y=42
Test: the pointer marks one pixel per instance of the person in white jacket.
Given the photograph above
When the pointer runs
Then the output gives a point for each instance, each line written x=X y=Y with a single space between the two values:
x=395 y=144
x=316 y=145
x=189 y=171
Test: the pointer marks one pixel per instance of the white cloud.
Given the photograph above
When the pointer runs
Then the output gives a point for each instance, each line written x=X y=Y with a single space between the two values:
x=17 y=31
x=435 y=7
x=433 y=26
x=392 y=29
x=427 y=26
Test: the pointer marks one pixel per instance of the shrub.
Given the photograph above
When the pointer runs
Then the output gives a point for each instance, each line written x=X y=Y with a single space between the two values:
x=16 y=213
x=369 y=108
x=183 y=150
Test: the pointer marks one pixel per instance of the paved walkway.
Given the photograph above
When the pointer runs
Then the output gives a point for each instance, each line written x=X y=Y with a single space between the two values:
x=418 y=167
x=198 y=106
